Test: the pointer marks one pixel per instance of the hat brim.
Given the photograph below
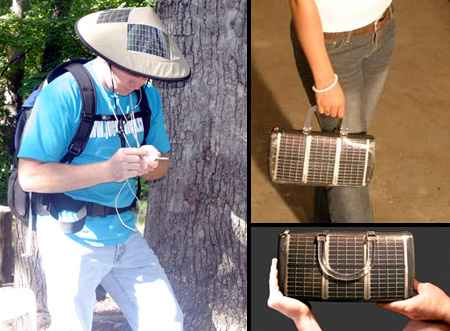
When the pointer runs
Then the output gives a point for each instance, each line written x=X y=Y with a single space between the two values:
x=111 y=41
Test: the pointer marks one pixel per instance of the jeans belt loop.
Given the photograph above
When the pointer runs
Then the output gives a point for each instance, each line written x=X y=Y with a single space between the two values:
x=391 y=10
x=349 y=37
x=387 y=15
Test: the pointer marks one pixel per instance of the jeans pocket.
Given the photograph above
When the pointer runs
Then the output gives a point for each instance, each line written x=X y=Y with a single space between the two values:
x=337 y=45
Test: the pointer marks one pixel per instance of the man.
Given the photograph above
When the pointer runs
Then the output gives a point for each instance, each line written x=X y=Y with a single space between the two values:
x=132 y=48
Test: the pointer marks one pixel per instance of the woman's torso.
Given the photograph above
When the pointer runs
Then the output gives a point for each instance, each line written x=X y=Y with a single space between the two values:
x=347 y=15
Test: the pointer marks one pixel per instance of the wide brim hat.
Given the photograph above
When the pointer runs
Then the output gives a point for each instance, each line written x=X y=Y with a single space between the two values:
x=135 y=40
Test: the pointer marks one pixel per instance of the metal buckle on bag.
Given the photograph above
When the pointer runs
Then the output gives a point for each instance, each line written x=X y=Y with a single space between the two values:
x=307 y=157
x=322 y=238
x=370 y=235
x=277 y=131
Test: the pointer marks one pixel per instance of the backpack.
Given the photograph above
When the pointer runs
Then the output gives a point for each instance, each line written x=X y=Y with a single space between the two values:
x=26 y=205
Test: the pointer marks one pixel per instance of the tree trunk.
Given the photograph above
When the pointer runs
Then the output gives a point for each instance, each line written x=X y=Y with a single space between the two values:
x=28 y=273
x=54 y=44
x=16 y=59
x=6 y=248
x=196 y=216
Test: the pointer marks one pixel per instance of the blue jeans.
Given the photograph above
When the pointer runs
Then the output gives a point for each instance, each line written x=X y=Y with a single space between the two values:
x=362 y=64
x=130 y=272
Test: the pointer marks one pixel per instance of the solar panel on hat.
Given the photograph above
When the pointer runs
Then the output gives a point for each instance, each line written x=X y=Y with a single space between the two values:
x=147 y=39
x=134 y=39
x=116 y=15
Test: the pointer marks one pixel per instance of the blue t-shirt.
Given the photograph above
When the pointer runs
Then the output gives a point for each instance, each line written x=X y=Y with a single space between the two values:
x=51 y=127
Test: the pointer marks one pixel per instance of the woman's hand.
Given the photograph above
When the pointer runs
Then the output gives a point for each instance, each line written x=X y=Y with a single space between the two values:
x=426 y=326
x=430 y=304
x=332 y=102
x=294 y=309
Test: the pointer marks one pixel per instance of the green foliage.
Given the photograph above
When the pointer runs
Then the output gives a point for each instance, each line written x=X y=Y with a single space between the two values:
x=151 y=3
x=30 y=35
x=5 y=156
x=142 y=212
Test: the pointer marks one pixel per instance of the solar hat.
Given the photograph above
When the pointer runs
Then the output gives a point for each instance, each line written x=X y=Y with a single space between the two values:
x=134 y=39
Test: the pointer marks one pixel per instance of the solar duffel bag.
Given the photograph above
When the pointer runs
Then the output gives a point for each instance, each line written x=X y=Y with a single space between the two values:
x=306 y=157
x=346 y=266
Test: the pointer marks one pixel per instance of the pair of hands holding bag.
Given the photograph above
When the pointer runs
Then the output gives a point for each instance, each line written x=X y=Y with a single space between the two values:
x=429 y=310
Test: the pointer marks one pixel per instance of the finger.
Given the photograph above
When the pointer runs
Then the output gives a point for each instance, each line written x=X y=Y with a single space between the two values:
x=133 y=159
x=143 y=164
x=341 y=111
x=425 y=326
x=274 y=292
x=153 y=164
x=326 y=110
x=320 y=108
x=141 y=167
x=334 y=112
x=273 y=282
x=402 y=306
x=134 y=151
x=135 y=167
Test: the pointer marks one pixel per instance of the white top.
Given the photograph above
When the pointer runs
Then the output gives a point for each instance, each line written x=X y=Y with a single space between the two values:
x=347 y=15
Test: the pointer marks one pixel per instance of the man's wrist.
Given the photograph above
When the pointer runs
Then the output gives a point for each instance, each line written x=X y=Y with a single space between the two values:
x=106 y=175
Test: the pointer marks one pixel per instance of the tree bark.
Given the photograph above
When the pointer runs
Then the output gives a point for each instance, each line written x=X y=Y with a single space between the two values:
x=16 y=59
x=28 y=273
x=6 y=248
x=196 y=216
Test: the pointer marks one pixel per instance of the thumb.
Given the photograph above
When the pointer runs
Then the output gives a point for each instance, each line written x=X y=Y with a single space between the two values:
x=151 y=153
x=341 y=111
x=403 y=305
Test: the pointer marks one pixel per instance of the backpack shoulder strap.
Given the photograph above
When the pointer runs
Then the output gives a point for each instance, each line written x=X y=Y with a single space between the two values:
x=87 y=92
x=147 y=113
x=146 y=119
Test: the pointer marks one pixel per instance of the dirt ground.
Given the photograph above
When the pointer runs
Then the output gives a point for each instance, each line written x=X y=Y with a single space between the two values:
x=411 y=126
x=107 y=317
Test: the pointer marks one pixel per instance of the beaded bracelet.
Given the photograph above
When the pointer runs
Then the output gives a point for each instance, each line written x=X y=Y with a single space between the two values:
x=327 y=88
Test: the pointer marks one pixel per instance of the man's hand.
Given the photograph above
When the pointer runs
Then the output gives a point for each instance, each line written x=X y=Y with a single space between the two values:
x=150 y=156
x=157 y=166
x=431 y=303
x=292 y=308
x=127 y=163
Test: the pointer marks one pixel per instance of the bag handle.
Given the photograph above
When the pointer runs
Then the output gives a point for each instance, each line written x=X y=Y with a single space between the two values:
x=307 y=126
x=324 y=265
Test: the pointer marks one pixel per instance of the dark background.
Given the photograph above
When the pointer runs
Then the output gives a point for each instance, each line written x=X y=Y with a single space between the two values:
x=432 y=251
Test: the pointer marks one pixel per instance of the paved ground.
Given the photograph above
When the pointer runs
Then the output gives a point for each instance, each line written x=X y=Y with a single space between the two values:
x=412 y=181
